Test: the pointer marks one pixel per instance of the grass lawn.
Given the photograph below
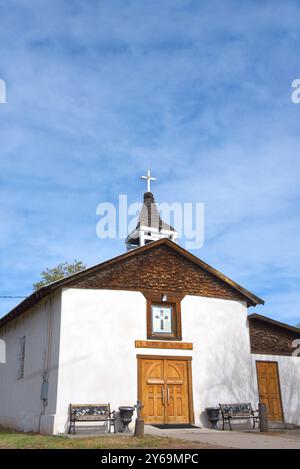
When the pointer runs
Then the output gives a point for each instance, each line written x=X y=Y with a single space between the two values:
x=10 y=439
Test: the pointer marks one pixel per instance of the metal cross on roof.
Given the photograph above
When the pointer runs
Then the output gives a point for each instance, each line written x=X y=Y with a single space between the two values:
x=148 y=178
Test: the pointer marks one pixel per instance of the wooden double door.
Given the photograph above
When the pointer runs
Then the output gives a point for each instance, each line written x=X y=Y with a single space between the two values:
x=165 y=390
x=269 y=389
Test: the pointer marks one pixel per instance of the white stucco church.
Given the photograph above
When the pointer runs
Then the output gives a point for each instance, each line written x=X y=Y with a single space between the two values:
x=156 y=324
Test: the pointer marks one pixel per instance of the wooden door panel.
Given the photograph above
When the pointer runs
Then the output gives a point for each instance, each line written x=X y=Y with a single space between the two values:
x=177 y=392
x=152 y=380
x=269 y=389
x=155 y=408
x=177 y=410
x=274 y=407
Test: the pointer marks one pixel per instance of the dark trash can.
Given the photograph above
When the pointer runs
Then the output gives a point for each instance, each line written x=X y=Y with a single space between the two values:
x=213 y=416
x=126 y=413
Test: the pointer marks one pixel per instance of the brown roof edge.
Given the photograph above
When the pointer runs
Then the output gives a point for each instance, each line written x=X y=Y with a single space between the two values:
x=35 y=297
x=274 y=322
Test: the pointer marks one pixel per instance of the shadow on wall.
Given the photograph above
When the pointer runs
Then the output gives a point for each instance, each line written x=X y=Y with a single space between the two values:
x=228 y=373
x=289 y=378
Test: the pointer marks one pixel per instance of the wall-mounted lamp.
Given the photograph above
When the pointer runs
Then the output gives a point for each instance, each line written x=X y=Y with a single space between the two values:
x=164 y=297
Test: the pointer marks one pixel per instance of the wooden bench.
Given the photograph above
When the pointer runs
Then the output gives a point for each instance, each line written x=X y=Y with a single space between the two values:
x=91 y=413
x=238 y=412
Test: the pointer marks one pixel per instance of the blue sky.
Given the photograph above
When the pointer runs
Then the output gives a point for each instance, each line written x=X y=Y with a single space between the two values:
x=199 y=91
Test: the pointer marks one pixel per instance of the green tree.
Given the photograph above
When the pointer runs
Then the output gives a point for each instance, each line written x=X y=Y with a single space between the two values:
x=57 y=273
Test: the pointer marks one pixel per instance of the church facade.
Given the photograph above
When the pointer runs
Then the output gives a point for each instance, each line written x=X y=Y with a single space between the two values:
x=156 y=324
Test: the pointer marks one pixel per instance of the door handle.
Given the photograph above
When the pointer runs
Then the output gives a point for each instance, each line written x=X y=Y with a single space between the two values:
x=163 y=396
x=168 y=395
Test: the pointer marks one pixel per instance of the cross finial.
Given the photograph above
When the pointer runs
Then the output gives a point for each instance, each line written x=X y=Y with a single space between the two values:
x=148 y=179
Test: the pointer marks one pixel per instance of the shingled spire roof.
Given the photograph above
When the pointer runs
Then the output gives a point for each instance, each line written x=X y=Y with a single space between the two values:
x=149 y=215
x=150 y=226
